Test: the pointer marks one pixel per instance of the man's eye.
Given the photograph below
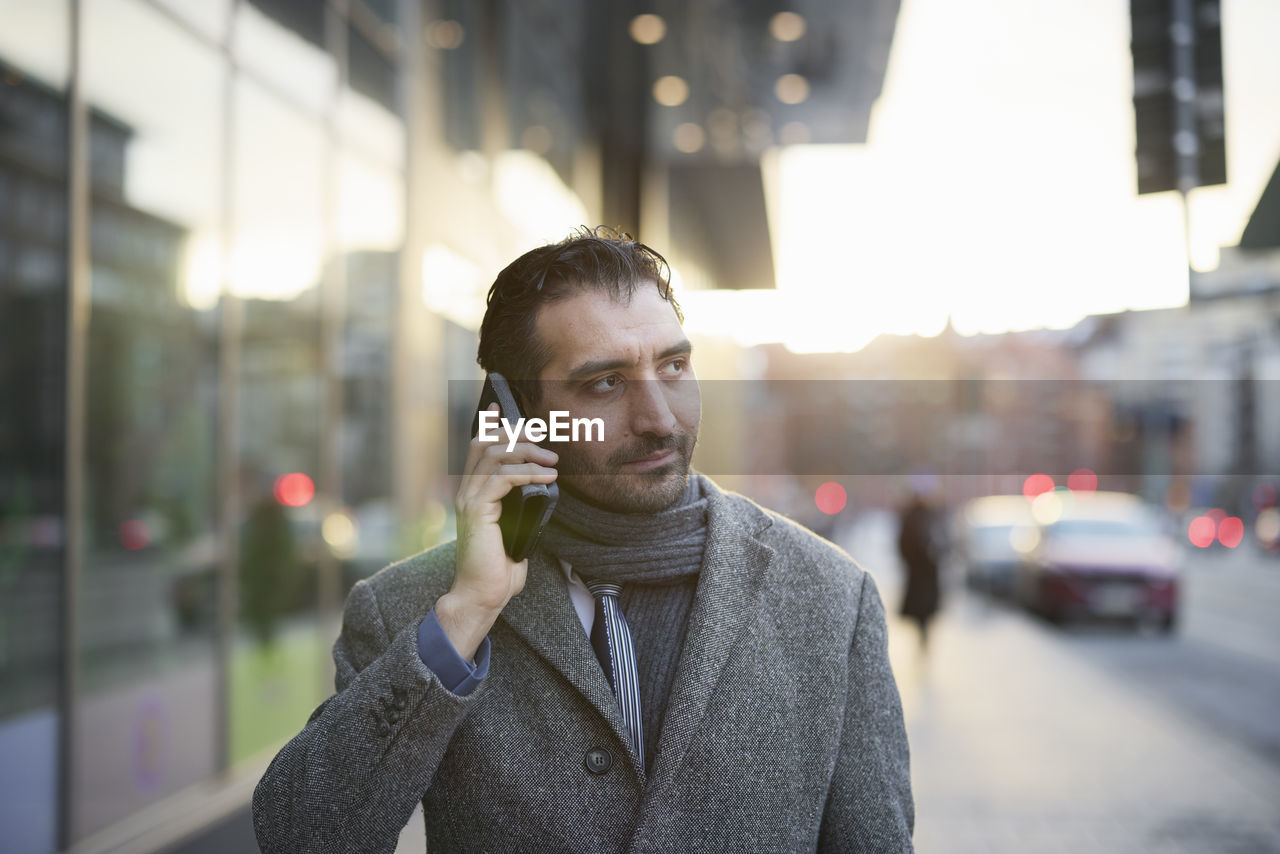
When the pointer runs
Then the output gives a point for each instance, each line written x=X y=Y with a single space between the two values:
x=608 y=383
x=676 y=367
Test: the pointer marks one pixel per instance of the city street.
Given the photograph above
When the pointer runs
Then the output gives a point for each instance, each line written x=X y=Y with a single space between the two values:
x=1026 y=737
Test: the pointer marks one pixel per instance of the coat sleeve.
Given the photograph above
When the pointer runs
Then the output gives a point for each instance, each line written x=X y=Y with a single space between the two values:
x=350 y=780
x=869 y=806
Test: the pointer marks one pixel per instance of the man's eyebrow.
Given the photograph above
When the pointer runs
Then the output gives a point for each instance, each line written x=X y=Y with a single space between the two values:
x=682 y=347
x=587 y=369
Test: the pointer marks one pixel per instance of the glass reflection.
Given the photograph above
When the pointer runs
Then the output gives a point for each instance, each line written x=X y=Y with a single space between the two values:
x=282 y=43
x=33 y=302
x=371 y=73
x=146 y=726
x=387 y=11
x=370 y=228
x=210 y=17
x=276 y=264
x=367 y=109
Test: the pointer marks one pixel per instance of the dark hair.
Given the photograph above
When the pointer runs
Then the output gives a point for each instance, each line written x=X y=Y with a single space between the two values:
x=598 y=258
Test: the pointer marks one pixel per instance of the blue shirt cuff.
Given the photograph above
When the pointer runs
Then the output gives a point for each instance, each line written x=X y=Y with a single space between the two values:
x=437 y=653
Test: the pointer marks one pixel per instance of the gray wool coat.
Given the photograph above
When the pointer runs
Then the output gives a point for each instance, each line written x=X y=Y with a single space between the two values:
x=783 y=732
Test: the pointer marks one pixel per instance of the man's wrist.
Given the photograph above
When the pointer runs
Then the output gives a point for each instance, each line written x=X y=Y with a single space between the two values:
x=458 y=675
x=464 y=623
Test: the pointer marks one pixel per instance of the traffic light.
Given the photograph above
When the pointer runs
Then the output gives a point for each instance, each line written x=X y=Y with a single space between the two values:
x=1156 y=92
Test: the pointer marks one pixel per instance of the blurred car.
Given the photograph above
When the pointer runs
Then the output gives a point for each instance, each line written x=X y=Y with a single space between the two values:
x=1101 y=555
x=986 y=533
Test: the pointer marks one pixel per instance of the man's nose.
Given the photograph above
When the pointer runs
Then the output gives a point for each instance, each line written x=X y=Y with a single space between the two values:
x=651 y=410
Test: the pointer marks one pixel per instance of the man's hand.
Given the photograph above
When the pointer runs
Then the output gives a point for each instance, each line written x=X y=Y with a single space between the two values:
x=485 y=578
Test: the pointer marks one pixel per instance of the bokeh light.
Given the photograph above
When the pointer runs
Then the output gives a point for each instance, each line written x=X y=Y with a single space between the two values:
x=134 y=535
x=1231 y=531
x=1267 y=527
x=1024 y=538
x=670 y=91
x=831 y=498
x=445 y=35
x=1046 y=508
x=689 y=137
x=648 y=28
x=294 y=489
x=1202 y=531
x=787 y=27
x=791 y=89
x=1082 y=480
x=1036 y=484
x=339 y=531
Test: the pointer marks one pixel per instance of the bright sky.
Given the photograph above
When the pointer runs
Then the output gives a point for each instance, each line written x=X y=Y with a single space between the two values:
x=996 y=186
x=997 y=183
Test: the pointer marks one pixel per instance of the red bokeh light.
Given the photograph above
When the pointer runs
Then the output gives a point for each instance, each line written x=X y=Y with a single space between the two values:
x=294 y=490
x=134 y=535
x=1202 y=531
x=1037 y=484
x=1231 y=531
x=830 y=498
x=1082 y=480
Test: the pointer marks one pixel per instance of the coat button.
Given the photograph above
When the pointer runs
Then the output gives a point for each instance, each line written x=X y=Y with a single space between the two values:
x=599 y=760
x=398 y=703
x=383 y=730
x=393 y=716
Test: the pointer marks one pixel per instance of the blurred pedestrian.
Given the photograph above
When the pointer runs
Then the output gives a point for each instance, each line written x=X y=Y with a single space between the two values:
x=271 y=571
x=918 y=545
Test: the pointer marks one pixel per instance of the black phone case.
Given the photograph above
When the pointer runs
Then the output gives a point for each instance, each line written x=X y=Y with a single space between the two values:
x=526 y=509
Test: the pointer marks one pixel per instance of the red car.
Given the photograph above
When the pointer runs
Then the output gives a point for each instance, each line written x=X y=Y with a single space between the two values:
x=1100 y=555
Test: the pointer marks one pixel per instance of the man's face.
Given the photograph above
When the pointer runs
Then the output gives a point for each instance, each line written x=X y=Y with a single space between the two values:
x=627 y=364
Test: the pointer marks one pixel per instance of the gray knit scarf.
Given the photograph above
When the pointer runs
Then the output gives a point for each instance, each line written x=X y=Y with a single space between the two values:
x=652 y=548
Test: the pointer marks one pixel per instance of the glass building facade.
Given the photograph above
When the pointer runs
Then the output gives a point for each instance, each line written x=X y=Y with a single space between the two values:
x=223 y=224
x=174 y=271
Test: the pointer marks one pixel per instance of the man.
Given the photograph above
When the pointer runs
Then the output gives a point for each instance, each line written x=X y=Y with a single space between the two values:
x=726 y=689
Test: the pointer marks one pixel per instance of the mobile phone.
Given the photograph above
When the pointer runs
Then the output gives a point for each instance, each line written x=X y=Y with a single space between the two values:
x=525 y=509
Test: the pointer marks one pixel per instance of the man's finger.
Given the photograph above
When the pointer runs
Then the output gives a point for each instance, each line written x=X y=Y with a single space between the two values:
x=508 y=477
x=477 y=448
x=524 y=452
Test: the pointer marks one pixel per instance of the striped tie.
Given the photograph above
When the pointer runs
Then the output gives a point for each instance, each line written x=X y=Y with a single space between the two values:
x=611 y=639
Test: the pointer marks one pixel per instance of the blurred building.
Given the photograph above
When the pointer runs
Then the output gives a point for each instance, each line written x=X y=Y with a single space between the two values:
x=1198 y=395
x=975 y=415
x=1141 y=399
x=243 y=246
x=1203 y=380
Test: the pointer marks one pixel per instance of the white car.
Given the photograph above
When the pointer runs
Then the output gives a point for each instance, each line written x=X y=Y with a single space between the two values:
x=988 y=532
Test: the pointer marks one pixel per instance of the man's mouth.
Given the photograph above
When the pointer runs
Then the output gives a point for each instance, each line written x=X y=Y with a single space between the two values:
x=651 y=461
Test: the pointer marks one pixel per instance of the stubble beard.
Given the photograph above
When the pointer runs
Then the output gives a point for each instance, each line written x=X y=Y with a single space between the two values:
x=609 y=488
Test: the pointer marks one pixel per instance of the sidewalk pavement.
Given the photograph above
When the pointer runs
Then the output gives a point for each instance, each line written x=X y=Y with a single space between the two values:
x=1020 y=744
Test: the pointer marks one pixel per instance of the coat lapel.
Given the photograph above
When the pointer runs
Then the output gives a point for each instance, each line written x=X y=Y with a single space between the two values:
x=543 y=616
x=730 y=595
